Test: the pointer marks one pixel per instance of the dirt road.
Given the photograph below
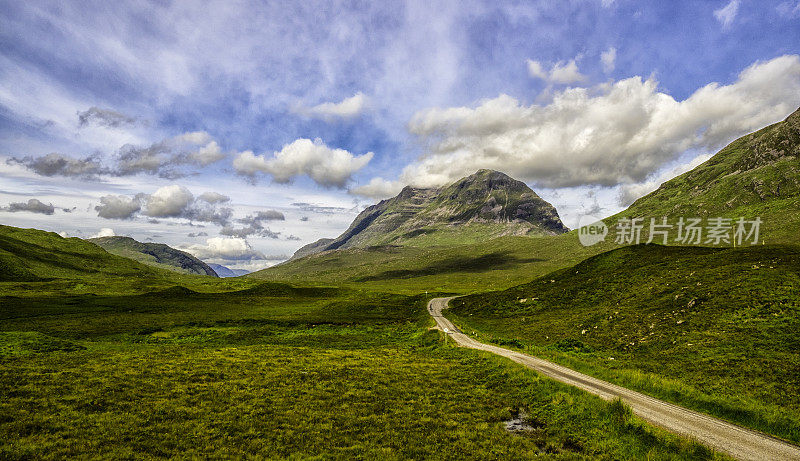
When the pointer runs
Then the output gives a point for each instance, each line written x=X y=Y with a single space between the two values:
x=725 y=437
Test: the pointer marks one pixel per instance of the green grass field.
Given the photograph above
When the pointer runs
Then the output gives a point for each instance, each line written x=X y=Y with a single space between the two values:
x=281 y=372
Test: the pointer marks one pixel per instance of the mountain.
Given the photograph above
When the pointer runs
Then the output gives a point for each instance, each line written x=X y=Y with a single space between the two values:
x=223 y=271
x=758 y=175
x=154 y=254
x=484 y=205
x=31 y=255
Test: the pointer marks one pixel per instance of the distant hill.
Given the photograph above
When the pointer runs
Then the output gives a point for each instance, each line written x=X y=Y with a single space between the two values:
x=30 y=255
x=756 y=175
x=154 y=254
x=223 y=271
x=484 y=205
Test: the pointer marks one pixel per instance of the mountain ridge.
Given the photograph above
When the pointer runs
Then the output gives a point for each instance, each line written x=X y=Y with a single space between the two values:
x=485 y=204
x=154 y=254
x=756 y=175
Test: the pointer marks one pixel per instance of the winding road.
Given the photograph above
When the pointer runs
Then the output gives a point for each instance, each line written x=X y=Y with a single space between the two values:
x=725 y=437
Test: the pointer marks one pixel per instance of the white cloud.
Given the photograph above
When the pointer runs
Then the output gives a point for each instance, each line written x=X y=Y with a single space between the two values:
x=232 y=249
x=193 y=137
x=378 y=188
x=727 y=13
x=213 y=197
x=326 y=166
x=560 y=73
x=32 y=205
x=104 y=232
x=118 y=207
x=615 y=133
x=331 y=111
x=609 y=60
x=173 y=201
x=207 y=154
x=168 y=201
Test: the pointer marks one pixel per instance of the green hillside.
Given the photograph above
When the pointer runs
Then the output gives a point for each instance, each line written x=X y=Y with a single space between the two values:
x=758 y=175
x=29 y=255
x=494 y=264
x=710 y=328
x=154 y=254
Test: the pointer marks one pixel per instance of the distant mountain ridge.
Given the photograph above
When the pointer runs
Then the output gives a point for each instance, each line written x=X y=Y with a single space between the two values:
x=224 y=271
x=154 y=254
x=486 y=204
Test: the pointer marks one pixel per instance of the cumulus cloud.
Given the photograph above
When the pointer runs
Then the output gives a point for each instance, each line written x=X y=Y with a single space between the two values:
x=727 y=13
x=562 y=72
x=268 y=215
x=326 y=166
x=55 y=164
x=615 y=133
x=207 y=154
x=168 y=202
x=32 y=205
x=609 y=60
x=254 y=225
x=173 y=201
x=118 y=207
x=104 y=232
x=378 y=188
x=231 y=249
x=104 y=117
x=330 y=111
x=256 y=229
x=213 y=197
x=176 y=201
x=167 y=159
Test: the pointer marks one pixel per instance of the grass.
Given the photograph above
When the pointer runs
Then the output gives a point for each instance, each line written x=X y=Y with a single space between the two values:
x=708 y=328
x=490 y=265
x=154 y=254
x=277 y=371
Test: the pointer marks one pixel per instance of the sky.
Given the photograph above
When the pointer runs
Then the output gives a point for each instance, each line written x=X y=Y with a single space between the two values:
x=240 y=131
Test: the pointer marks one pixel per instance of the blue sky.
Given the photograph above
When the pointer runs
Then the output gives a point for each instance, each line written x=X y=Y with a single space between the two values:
x=317 y=109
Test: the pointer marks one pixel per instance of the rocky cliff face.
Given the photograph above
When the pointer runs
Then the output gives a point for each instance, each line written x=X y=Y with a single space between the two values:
x=488 y=202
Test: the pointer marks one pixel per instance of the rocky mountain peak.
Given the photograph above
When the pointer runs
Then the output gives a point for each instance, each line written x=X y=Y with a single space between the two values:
x=486 y=203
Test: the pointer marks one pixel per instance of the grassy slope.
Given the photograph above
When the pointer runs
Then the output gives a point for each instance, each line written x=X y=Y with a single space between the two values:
x=489 y=265
x=756 y=175
x=38 y=262
x=280 y=372
x=713 y=329
x=34 y=255
x=154 y=254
